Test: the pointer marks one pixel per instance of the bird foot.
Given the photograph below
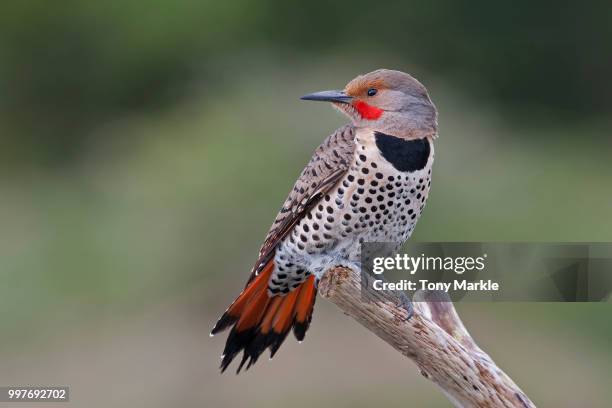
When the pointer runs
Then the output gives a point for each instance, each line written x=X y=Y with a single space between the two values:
x=406 y=304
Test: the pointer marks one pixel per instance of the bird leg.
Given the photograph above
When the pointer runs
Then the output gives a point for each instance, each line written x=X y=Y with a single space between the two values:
x=403 y=300
x=406 y=304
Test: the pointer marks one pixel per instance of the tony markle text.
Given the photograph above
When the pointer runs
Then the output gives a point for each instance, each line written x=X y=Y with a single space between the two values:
x=424 y=284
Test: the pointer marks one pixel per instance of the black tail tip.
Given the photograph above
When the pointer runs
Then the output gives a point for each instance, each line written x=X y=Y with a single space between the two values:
x=223 y=323
x=247 y=359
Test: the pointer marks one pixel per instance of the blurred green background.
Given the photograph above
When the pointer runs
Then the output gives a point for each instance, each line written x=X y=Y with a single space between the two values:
x=146 y=147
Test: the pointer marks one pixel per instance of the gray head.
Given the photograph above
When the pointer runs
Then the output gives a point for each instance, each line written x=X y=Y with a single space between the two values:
x=387 y=101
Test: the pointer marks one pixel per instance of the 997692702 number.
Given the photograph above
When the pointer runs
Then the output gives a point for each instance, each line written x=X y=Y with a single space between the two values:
x=34 y=394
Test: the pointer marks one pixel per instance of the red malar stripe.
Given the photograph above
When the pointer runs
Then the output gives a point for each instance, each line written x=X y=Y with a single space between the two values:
x=366 y=111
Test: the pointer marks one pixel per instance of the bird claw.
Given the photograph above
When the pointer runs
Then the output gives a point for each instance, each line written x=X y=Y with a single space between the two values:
x=406 y=304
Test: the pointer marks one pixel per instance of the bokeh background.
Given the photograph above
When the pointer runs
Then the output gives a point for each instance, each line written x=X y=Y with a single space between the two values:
x=146 y=147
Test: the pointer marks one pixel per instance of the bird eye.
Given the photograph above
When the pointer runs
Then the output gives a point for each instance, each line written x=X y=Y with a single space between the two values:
x=372 y=91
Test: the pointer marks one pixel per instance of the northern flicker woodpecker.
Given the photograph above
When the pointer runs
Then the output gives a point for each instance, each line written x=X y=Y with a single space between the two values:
x=367 y=182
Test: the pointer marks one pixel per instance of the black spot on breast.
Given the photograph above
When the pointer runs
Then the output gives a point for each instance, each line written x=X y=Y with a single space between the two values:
x=404 y=155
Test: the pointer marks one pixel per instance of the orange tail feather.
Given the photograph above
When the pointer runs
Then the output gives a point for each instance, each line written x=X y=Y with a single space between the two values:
x=262 y=322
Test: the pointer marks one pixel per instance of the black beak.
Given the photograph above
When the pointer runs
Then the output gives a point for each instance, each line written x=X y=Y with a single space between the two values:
x=328 y=96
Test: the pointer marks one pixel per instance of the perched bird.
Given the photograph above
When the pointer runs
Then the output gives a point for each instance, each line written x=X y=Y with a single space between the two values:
x=367 y=182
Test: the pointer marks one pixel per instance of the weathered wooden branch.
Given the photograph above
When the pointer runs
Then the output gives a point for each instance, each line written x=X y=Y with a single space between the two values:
x=434 y=338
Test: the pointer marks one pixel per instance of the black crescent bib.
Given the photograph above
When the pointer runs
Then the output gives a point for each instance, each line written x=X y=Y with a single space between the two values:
x=404 y=155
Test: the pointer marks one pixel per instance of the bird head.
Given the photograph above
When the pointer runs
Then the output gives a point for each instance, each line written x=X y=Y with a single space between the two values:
x=387 y=101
